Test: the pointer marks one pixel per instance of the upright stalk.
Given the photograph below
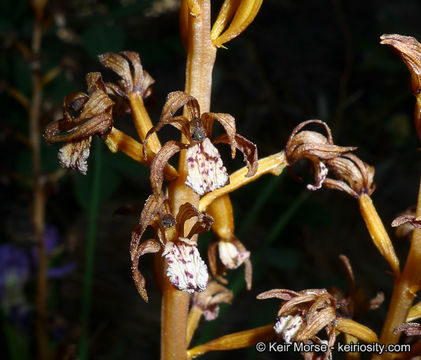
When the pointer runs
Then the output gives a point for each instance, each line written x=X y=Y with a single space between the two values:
x=405 y=288
x=200 y=60
x=38 y=206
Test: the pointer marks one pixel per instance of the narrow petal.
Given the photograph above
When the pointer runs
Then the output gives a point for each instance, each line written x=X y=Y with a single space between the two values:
x=147 y=247
x=160 y=161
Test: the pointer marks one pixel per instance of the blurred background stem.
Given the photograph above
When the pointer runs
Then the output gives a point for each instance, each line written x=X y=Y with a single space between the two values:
x=38 y=205
x=90 y=252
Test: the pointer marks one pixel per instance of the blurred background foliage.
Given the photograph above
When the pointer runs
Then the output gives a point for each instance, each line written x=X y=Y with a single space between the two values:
x=298 y=60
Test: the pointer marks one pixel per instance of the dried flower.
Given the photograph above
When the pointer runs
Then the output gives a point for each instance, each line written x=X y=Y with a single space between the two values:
x=304 y=314
x=315 y=147
x=186 y=270
x=95 y=118
x=231 y=254
x=128 y=67
x=209 y=300
x=206 y=171
x=409 y=50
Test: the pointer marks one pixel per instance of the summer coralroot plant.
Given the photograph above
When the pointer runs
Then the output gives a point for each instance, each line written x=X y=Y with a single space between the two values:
x=193 y=197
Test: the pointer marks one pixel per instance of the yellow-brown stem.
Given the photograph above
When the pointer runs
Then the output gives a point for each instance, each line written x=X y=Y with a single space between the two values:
x=192 y=322
x=221 y=211
x=142 y=121
x=117 y=140
x=273 y=164
x=378 y=233
x=404 y=290
x=352 y=355
x=38 y=206
x=200 y=60
x=234 y=341
x=357 y=330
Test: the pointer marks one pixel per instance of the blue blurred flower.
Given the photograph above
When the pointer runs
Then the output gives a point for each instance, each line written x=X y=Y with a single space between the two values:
x=14 y=273
x=15 y=269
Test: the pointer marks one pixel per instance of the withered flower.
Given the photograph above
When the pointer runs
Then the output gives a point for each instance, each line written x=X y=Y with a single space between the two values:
x=353 y=176
x=128 y=67
x=409 y=50
x=315 y=147
x=304 y=314
x=206 y=171
x=231 y=254
x=94 y=117
x=186 y=269
x=208 y=301
x=349 y=173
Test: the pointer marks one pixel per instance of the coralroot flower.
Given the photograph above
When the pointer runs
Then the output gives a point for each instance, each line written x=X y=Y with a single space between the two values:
x=232 y=254
x=349 y=173
x=186 y=269
x=315 y=147
x=304 y=314
x=128 y=67
x=95 y=118
x=206 y=171
x=209 y=300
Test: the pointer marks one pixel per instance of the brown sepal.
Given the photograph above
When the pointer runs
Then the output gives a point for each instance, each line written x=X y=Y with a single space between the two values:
x=227 y=121
x=404 y=219
x=248 y=149
x=174 y=102
x=160 y=161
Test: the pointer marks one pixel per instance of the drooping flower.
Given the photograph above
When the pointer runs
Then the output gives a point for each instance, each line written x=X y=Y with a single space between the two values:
x=94 y=117
x=206 y=171
x=231 y=254
x=315 y=147
x=186 y=270
x=347 y=172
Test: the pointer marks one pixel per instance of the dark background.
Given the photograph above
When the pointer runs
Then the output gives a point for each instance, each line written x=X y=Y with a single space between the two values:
x=297 y=61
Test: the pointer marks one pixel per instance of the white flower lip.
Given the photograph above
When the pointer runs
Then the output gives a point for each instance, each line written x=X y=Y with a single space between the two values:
x=206 y=172
x=230 y=256
x=186 y=269
x=288 y=326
